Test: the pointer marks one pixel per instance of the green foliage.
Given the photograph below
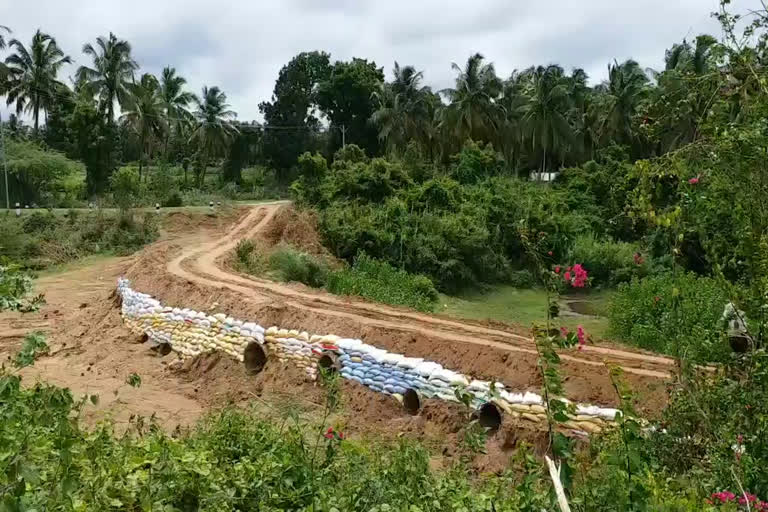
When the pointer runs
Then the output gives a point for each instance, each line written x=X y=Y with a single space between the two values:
x=126 y=188
x=476 y=162
x=133 y=380
x=35 y=174
x=293 y=265
x=677 y=315
x=40 y=239
x=248 y=259
x=522 y=279
x=15 y=288
x=232 y=460
x=34 y=346
x=378 y=281
x=609 y=262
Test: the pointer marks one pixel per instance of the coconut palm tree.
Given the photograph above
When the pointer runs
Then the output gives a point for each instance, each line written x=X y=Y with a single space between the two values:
x=32 y=75
x=144 y=114
x=402 y=111
x=3 y=68
x=213 y=130
x=111 y=74
x=3 y=28
x=546 y=114
x=175 y=102
x=624 y=89
x=473 y=111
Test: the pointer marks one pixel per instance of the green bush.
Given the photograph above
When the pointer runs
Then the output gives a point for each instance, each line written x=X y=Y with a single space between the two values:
x=292 y=265
x=378 y=281
x=247 y=259
x=608 y=262
x=674 y=315
x=126 y=187
x=522 y=279
x=39 y=221
x=173 y=200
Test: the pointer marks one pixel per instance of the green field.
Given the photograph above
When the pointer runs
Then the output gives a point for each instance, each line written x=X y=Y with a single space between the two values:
x=526 y=307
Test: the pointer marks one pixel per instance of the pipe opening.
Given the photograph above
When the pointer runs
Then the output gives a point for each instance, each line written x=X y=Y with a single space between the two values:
x=255 y=358
x=411 y=402
x=489 y=417
x=164 y=349
x=329 y=362
x=144 y=338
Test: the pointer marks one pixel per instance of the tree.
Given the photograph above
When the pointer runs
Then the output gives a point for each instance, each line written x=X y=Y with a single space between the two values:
x=546 y=114
x=347 y=98
x=175 y=102
x=473 y=111
x=144 y=114
x=3 y=67
x=244 y=147
x=402 y=112
x=32 y=75
x=111 y=74
x=96 y=139
x=290 y=119
x=623 y=91
x=213 y=131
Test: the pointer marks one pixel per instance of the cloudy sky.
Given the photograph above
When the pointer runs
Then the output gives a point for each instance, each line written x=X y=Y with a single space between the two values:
x=240 y=45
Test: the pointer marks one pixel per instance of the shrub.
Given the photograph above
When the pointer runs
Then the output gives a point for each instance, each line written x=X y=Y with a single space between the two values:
x=39 y=221
x=377 y=280
x=522 y=279
x=174 y=200
x=674 y=315
x=293 y=265
x=247 y=259
x=609 y=262
x=126 y=187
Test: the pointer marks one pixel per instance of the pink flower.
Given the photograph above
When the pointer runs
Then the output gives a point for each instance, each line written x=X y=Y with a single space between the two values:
x=557 y=269
x=549 y=253
x=567 y=276
x=329 y=433
x=581 y=335
x=693 y=181
x=639 y=260
x=656 y=299
x=564 y=332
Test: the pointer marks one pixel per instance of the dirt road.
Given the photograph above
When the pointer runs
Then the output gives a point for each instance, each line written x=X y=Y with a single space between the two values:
x=203 y=265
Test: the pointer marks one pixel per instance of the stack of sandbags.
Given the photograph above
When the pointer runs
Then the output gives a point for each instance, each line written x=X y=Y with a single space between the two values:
x=293 y=346
x=191 y=333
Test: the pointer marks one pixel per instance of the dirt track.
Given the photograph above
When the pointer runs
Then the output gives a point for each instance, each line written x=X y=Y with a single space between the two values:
x=202 y=265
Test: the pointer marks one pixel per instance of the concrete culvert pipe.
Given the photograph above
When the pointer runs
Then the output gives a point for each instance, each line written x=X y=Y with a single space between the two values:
x=489 y=417
x=164 y=349
x=411 y=401
x=255 y=357
x=329 y=362
x=144 y=338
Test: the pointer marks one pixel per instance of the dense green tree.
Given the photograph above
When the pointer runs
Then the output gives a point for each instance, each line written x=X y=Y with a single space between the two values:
x=347 y=99
x=473 y=111
x=402 y=111
x=213 y=130
x=175 y=103
x=144 y=114
x=290 y=118
x=32 y=75
x=622 y=93
x=111 y=74
x=3 y=67
x=97 y=143
x=546 y=114
x=245 y=147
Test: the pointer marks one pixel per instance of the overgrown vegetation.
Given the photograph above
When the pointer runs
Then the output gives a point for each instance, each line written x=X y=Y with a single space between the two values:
x=16 y=289
x=366 y=277
x=41 y=239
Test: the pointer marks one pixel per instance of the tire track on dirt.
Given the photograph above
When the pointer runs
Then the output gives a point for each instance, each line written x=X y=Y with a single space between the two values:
x=201 y=264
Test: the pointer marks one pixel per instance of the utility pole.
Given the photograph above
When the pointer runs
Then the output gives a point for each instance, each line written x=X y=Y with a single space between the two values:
x=5 y=163
x=343 y=136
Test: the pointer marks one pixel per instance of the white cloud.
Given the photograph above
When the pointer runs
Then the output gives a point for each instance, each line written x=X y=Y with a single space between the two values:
x=240 y=45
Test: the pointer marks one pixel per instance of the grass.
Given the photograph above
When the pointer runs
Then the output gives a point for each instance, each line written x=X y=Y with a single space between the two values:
x=526 y=307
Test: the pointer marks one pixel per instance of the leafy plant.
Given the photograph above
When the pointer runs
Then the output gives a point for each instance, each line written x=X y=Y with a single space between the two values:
x=34 y=346
x=15 y=287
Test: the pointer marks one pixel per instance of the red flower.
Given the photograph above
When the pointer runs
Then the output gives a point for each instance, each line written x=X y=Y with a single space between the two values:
x=557 y=269
x=567 y=276
x=341 y=435
x=564 y=332
x=693 y=181
x=581 y=335
x=549 y=253
x=639 y=259
x=329 y=433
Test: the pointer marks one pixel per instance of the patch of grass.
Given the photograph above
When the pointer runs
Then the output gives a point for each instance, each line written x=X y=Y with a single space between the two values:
x=379 y=281
x=526 y=307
